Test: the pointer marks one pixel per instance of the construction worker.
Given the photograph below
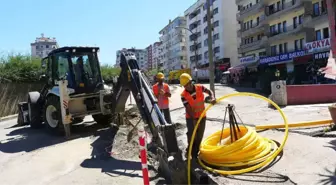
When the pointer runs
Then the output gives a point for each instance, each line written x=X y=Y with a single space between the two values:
x=193 y=100
x=162 y=93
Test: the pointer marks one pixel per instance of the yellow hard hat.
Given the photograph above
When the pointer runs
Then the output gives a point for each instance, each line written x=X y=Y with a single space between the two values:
x=160 y=76
x=184 y=79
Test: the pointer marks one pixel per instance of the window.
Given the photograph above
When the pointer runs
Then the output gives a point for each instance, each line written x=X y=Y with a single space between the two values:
x=300 y=19
x=323 y=6
x=216 y=49
x=37 y=47
x=206 y=42
x=296 y=45
x=278 y=5
x=47 y=46
x=280 y=49
x=215 y=11
x=272 y=30
x=62 y=66
x=216 y=23
x=283 y=3
x=294 y=22
x=216 y=37
x=258 y=19
x=257 y=1
x=279 y=27
x=301 y=43
x=285 y=47
x=318 y=35
x=206 y=56
x=284 y=26
x=293 y=2
x=316 y=9
x=206 y=30
x=259 y=37
x=326 y=33
x=251 y=23
x=273 y=50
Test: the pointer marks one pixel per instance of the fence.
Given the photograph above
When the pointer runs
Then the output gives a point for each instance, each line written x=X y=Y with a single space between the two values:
x=11 y=94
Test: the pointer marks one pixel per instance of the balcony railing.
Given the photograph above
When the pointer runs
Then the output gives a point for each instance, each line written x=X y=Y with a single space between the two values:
x=287 y=6
x=256 y=24
x=289 y=29
x=253 y=7
x=253 y=46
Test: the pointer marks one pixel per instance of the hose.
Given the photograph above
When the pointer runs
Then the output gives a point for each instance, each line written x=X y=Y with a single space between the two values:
x=250 y=149
x=296 y=125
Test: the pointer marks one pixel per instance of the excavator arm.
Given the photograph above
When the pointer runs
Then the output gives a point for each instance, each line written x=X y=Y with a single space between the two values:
x=133 y=80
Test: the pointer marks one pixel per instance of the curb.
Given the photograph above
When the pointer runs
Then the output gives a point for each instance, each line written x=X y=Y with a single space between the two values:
x=8 y=117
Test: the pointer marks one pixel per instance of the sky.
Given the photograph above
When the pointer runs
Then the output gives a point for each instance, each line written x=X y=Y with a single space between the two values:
x=108 y=24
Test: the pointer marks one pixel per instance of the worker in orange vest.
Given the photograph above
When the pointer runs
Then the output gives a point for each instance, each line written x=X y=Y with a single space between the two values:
x=194 y=102
x=162 y=93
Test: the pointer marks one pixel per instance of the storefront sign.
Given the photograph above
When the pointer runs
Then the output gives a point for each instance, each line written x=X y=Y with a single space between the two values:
x=322 y=55
x=317 y=45
x=248 y=59
x=282 y=57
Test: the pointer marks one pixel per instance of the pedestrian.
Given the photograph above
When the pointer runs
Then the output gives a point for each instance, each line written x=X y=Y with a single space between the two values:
x=194 y=103
x=162 y=93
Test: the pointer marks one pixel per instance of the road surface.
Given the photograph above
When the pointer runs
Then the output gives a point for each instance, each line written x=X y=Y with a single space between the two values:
x=34 y=157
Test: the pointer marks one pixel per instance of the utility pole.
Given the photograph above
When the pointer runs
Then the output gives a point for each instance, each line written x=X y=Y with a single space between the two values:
x=210 y=52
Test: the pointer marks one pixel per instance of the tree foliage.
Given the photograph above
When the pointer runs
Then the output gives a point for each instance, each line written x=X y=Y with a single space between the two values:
x=24 y=68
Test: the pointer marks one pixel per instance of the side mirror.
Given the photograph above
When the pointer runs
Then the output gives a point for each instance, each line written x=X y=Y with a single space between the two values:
x=43 y=77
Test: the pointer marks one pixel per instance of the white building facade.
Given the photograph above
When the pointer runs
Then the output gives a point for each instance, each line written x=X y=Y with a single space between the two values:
x=156 y=55
x=140 y=54
x=174 y=52
x=43 y=46
x=224 y=34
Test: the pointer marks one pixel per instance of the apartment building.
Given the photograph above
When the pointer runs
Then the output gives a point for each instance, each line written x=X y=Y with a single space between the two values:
x=275 y=32
x=224 y=35
x=42 y=46
x=173 y=38
x=140 y=54
x=149 y=57
x=156 y=55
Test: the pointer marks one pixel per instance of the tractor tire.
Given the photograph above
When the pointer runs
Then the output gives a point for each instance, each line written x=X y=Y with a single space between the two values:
x=103 y=119
x=52 y=116
x=34 y=108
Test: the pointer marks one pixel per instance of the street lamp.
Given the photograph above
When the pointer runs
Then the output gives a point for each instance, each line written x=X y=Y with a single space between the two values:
x=192 y=33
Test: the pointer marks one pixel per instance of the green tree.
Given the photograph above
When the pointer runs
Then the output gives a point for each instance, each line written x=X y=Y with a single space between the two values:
x=108 y=72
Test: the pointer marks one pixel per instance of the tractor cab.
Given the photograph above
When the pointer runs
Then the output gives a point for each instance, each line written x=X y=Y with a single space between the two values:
x=78 y=65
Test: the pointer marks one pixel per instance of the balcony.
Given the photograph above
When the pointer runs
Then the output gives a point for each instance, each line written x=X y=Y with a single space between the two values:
x=291 y=30
x=256 y=8
x=317 y=17
x=253 y=46
x=255 y=28
x=285 y=8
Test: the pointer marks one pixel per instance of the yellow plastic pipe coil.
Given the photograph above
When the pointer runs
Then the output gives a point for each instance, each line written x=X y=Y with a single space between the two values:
x=250 y=152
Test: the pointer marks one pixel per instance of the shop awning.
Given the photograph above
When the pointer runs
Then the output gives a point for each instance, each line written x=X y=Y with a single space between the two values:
x=240 y=67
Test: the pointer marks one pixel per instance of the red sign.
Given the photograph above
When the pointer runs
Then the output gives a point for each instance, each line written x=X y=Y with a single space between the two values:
x=332 y=26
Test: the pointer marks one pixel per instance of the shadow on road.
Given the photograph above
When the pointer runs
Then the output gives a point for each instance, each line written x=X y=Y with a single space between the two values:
x=27 y=139
x=328 y=178
x=101 y=157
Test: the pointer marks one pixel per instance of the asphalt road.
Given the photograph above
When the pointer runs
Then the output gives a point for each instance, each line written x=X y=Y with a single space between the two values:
x=34 y=157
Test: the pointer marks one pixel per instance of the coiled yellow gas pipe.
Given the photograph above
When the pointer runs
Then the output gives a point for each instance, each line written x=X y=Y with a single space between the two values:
x=250 y=149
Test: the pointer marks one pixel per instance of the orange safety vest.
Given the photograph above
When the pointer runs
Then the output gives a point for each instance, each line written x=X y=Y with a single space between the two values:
x=197 y=105
x=156 y=92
